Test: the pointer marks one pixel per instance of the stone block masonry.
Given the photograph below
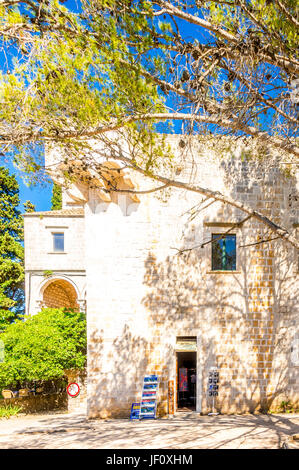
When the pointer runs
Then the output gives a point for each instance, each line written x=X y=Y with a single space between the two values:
x=142 y=293
x=38 y=403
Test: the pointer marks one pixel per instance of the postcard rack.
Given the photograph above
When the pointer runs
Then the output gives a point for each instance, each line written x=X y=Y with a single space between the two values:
x=148 y=404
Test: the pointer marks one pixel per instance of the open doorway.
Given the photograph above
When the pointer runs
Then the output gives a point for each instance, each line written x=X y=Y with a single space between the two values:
x=186 y=381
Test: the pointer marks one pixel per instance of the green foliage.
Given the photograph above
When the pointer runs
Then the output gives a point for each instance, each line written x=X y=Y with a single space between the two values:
x=29 y=207
x=11 y=251
x=43 y=346
x=47 y=273
x=286 y=406
x=56 y=199
x=6 y=411
x=131 y=64
x=80 y=81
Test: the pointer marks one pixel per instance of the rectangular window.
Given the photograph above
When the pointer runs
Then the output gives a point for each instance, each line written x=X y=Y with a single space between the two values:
x=223 y=252
x=58 y=242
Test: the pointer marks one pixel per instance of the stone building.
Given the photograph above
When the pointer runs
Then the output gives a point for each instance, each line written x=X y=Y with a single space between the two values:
x=154 y=305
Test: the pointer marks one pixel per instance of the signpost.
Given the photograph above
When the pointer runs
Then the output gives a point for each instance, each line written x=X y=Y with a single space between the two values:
x=213 y=388
x=149 y=397
x=73 y=390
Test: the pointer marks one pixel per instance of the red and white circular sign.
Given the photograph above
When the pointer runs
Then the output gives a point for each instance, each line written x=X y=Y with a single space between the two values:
x=73 y=389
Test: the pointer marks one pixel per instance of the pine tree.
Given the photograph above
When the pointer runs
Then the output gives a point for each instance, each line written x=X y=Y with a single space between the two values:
x=11 y=251
x=28 y=206
x=56 y=199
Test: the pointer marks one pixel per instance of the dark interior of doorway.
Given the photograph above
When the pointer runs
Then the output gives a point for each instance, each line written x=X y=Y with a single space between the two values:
x=186 y=400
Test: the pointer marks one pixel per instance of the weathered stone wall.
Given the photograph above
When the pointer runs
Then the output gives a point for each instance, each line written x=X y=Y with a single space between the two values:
x=78 y=403
x=37 y=403
x=56 y=279
x=45 y=270
x=141 y=294
x=39 y=254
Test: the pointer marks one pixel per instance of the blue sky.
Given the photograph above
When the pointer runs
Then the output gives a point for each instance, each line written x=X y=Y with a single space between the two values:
x=39 y=195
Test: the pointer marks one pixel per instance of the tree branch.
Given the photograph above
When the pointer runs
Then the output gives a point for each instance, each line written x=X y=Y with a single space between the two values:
x=258 y=243
x=196 y=20
x=283 y=61
x=281 y=232
x=201 y=245
x=219 y=121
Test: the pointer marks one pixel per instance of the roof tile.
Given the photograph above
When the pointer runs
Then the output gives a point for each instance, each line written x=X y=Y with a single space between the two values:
x=77 y=212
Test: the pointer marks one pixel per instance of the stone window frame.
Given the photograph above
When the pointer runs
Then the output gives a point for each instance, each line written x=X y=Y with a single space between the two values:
x=221 y=228
x=218 y=239
x=53 y=230
x=54 y=239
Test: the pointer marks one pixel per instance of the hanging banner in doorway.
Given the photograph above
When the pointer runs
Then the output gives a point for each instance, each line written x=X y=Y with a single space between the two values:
x=183 y=380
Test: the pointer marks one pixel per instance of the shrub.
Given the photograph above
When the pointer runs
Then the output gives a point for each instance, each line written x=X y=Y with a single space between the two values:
x=43 y=346
x=6 y=411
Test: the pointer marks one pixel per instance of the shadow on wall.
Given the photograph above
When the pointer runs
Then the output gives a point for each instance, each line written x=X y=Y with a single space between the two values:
x=116 y=369
x=268 y=187
x=246 y=321
x=265 y=185
x=242 y=326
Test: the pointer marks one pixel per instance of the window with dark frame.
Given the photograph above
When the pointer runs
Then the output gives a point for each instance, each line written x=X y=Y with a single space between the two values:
x=58 y=242
x=223 y=252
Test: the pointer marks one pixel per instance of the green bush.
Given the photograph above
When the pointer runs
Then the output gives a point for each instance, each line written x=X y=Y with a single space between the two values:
x=6 y=411
x=42 y=347
x=287 y=407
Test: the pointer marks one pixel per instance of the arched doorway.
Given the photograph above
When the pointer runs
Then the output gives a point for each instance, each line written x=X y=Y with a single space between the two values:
x=60 y=293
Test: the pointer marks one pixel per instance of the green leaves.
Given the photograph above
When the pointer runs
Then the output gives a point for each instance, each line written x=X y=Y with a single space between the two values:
x=43 y=346
x=56 y=199
x=71 y=74
x=11 y=250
